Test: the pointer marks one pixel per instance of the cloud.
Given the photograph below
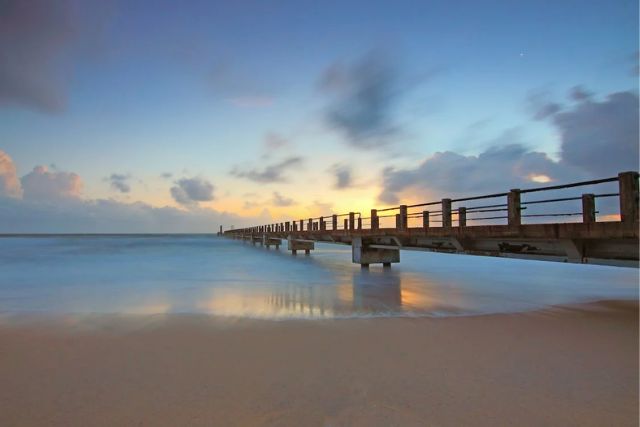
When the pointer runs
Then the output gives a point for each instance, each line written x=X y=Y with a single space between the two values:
x=363 y=96
x=271 y=173
x=452 y=174
x=189 y=191
x=110 y=216
x=281 y=201
x=119 y=182
x=166 y=175
x=35 y=41
x=274 y=141
x=42 y=184
x=52 y=203
x=600 y=137
x=9 y=183
x=343 y=176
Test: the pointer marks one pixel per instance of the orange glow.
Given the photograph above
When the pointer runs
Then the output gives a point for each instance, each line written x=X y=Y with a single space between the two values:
x=539 y=178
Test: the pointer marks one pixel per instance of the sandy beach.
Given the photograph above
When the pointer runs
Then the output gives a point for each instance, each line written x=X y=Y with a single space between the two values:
x=564 y=366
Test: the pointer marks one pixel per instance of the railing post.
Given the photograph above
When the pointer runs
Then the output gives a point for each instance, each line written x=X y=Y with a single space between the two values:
x=588 y=208
x=374 y=219
x=425 y=219
x=310 y=224
x=446 y=212
x=346 y=224
x=397 y=221
x=295 y=226
x=359 y=223
x=352 y=221
x=301 y=225
x=628 y=189
x=323 y=225
x=403 y=217
x=462 y=217
x=513 y=207
x=334 y=222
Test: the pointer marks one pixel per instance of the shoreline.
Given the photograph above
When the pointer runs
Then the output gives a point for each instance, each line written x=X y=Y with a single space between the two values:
x=566 y=365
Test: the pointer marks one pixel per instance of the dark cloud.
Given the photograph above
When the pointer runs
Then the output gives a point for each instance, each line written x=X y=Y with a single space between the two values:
x=190 y=191
x=343 y=176
x=600 y=137
x=281 y=201
x=451 y=174
x=363 y=97
x=540 y=106
x=119 y=182
x=579 y=93
x=35 y=37
x=271 y=173
x=42 y=184
x=166 y=175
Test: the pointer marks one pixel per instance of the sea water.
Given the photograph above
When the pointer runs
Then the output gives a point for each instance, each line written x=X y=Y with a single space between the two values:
x=203 y=274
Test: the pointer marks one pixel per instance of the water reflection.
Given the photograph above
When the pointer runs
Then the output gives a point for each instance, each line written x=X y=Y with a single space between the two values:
x=196 y=274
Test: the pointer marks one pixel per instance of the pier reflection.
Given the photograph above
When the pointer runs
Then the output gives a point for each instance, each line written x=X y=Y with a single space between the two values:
x=355 y=293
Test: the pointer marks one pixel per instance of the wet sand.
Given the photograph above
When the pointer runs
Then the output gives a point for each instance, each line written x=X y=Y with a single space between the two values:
x=565 y=366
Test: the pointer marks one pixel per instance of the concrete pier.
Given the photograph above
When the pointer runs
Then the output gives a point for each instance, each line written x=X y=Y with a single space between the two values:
x=295 y=245
x=271 y=241
x=515 y=224
x=364 y=254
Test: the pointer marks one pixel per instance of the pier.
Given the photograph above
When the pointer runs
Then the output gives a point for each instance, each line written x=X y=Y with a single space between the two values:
x=519 y=223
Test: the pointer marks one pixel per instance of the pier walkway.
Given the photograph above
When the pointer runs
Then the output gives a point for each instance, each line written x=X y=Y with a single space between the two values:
x=595 y=227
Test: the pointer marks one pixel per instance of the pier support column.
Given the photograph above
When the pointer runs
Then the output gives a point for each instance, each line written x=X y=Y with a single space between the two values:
x=362 y=253
x=295 y=245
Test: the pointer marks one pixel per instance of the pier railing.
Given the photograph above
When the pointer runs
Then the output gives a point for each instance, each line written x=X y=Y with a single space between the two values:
x=512 y=208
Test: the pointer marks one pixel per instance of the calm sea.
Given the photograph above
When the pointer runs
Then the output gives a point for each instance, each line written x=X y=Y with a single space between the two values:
x=212 y=275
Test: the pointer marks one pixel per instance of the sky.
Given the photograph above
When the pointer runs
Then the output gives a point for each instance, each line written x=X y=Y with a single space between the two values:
x=153 y=116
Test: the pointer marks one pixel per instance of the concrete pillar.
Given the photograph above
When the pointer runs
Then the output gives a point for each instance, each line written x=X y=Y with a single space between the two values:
x=352 y=221
x=462 y=217
x=446 y=212
x=295 y=245
x=375 y=221
x=362 y=253
x=628 y=189
x=513 y=207
x=425 y=219
x=403 y=217
x=588 y=208
x=334 y=222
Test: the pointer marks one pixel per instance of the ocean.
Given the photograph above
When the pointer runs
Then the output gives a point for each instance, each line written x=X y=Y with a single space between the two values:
x=205 y=274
